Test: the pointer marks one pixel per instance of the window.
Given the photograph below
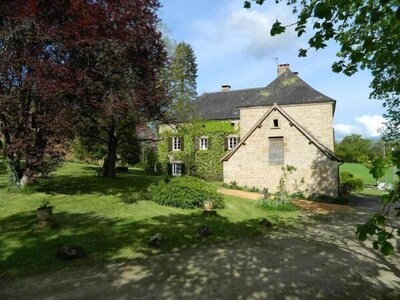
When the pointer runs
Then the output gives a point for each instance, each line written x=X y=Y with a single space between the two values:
x=232 y=141
x=176 y=169
x=176 y=144
x=203 y=143
x=276 y=123
x=276 y=151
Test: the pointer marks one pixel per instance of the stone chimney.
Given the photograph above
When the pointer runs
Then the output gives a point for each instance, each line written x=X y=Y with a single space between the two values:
x=282 y=68
x=225 y=87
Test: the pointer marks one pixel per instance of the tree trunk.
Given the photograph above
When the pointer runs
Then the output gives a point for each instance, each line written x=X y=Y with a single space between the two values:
x=111 y=158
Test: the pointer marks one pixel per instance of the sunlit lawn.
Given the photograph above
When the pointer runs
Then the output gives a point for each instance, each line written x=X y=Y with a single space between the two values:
x=110 y=219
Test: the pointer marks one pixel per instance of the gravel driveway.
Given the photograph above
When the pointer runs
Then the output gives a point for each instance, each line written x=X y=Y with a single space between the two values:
x=319 y=259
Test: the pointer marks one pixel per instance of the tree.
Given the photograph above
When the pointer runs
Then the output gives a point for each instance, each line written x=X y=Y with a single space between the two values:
x=354 y=148
x=118 y=56
x=183 y=74
x=37 y=110
x=369 y=35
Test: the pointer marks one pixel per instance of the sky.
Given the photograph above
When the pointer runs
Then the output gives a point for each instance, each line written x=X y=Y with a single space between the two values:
x=233 y=46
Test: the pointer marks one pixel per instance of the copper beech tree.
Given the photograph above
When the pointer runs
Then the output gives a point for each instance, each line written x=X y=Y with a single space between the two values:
x=76 y=65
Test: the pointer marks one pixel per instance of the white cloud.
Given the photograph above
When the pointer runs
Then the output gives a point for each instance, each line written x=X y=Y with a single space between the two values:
x=372 y=124
x=254 y=27
x=243 y=31
x=346 y=129
x=368 y=126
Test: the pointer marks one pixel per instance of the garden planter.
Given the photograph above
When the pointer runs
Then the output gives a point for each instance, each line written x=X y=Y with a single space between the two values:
x=44 y=213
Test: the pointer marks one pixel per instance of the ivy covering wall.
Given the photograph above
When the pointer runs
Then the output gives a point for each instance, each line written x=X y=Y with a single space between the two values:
x=202 y=163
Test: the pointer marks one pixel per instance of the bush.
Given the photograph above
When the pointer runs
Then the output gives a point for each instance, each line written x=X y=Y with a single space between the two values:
x=276 y=204
x=328 y=199
x=185 y=192
x=345 y=176
x=356 y=184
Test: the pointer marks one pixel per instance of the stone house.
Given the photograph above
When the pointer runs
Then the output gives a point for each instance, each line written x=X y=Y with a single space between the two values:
x=285 y=123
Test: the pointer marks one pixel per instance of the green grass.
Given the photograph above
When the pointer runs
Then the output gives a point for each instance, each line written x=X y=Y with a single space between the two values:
x=362 y=172
x=110 y=219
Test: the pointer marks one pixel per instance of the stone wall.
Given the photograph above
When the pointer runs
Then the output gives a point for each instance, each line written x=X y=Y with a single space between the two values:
x=316 y=119
x=250 y=166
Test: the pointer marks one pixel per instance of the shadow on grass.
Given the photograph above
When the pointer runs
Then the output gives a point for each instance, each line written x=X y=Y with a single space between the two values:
x=124 y=184
x=107 y=239
x=319 y=259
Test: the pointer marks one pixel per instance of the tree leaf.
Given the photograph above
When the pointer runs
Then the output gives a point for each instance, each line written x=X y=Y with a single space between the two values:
x=387 y=248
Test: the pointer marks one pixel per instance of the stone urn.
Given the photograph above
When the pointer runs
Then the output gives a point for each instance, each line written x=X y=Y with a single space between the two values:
x=208 y=205
x=45 y=213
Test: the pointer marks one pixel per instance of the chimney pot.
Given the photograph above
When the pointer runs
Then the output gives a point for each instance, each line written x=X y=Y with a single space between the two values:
x=282 y=68
x=225 y=87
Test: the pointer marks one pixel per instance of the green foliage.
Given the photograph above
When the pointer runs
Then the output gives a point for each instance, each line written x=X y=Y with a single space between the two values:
x=354 y=148
x=202 y=163
x=277 y=204
x=185 y=192
x=349 y=184
x=234 y=186
x=381 y=226
x=378 y=169
x=346 y=176
x=368 y=33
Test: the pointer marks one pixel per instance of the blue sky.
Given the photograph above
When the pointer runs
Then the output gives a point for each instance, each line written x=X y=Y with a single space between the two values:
x=233 y=46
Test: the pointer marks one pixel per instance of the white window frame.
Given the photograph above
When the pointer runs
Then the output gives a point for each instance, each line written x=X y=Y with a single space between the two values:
x=176 y=143
x=232 y=142
x=176 y=169
x=203 y=143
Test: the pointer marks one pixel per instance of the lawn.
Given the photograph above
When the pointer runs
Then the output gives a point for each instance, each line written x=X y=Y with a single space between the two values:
x=360 y=171
x=110 y=219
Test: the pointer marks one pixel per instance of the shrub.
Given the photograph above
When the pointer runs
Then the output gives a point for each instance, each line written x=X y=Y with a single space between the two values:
x=356 y=184
x=345 y=176
x=276 y=204
x=328 y=199
x=185 y=192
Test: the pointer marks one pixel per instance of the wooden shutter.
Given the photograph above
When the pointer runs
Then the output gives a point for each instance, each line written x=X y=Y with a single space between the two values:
x=169 y=169
x=208 y=143
x=169 y=144
x=182 y=143
x=276 y=151
x=226 y=144
x=196 y=143
x=183 y=169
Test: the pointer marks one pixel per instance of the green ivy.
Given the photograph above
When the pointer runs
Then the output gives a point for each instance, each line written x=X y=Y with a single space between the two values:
x=202 y=163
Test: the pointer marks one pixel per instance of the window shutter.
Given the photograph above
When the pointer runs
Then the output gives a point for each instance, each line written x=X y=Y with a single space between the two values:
x=182 y=144
x=169 y=169
x=208 y=143
x=226 y=144
x=183 y=169
x=196 y=143
x=276 y=151
x=169 y=144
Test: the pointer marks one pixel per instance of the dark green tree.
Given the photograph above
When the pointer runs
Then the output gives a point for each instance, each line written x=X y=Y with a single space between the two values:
x=182 y=75
x=354 y=148
x=368 y=33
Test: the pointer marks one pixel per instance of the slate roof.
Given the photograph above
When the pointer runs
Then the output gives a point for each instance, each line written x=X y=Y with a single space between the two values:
x=287 y=88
